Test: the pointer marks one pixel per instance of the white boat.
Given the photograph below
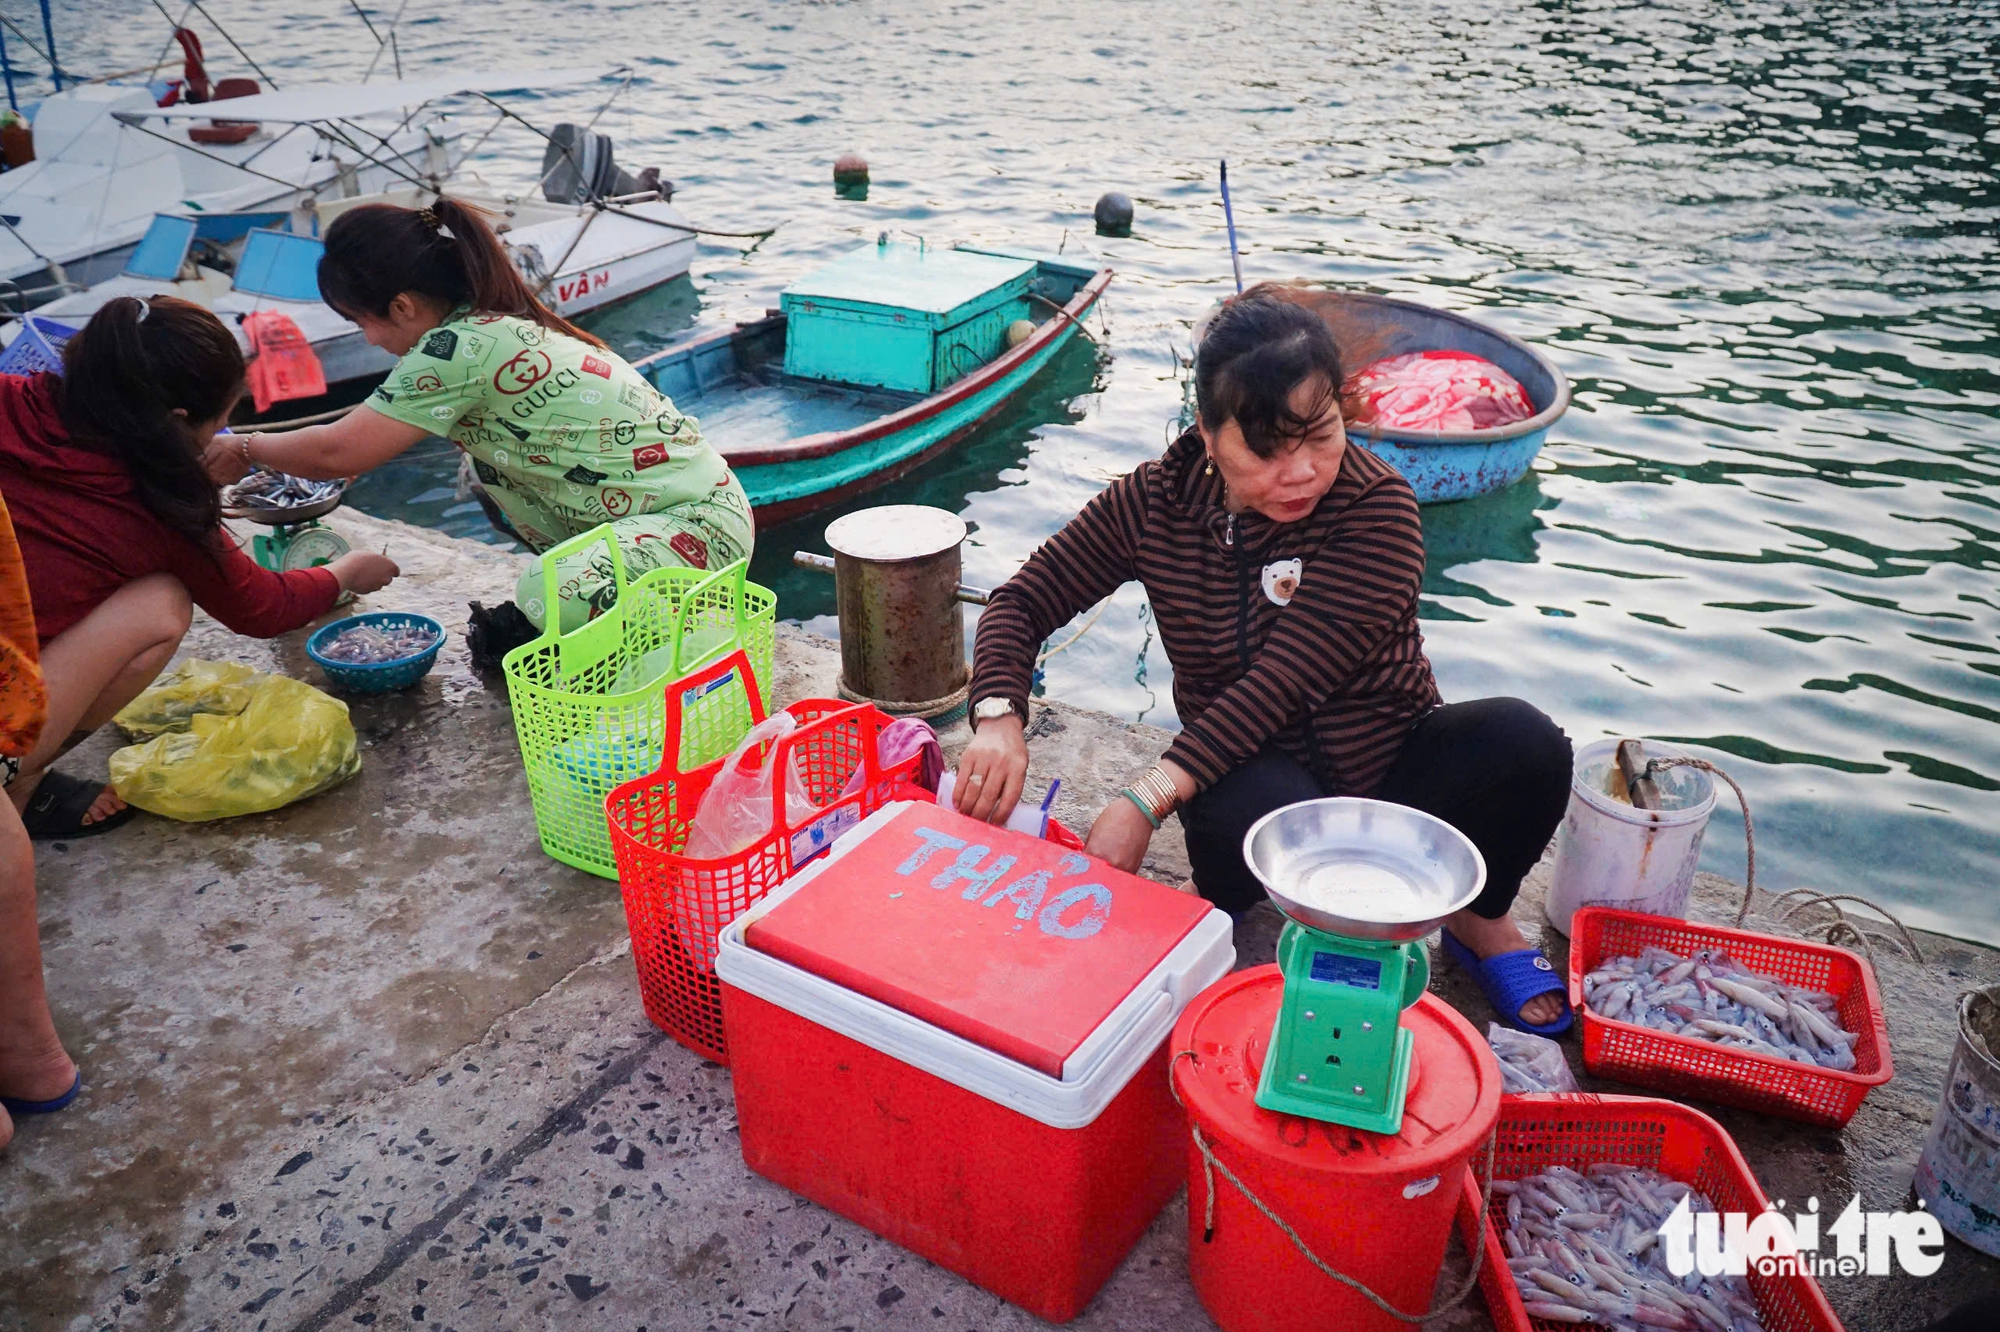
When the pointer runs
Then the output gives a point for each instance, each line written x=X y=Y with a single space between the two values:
x=234 y=264
x=238 y=263
x=578 y=257
x=595 y=238
x=72 y=216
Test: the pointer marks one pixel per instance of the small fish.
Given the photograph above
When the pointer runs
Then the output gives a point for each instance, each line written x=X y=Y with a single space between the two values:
x=1585 y=1220
x=1712 y=997
x=1529 y=1063
x=1752 y=996
x=1601 y=1263
x=1561 y=1289
x=372 y=645
x=276 y=491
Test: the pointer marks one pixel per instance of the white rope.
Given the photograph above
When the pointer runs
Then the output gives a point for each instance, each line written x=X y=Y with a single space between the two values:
x=1842 y=929
x=1070 y=642
x=1742 y=803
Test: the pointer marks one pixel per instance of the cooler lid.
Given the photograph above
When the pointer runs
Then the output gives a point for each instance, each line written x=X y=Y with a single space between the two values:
x=1006 y=940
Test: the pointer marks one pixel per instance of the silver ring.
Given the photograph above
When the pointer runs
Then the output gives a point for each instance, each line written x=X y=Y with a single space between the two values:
x=975 y=779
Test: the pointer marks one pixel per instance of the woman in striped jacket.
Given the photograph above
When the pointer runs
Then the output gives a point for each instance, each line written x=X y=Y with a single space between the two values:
x=1283 y=567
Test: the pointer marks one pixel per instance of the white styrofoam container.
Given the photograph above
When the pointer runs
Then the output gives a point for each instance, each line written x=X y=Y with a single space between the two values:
x=1095 y=1073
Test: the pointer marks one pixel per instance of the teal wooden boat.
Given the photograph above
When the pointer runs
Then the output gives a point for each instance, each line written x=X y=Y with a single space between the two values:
x=873 y=365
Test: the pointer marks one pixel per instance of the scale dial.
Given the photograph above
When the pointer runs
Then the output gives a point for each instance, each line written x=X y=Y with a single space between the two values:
x=313 y=547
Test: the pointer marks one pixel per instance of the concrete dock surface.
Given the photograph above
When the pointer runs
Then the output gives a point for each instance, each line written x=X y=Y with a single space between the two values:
x=375 y=1061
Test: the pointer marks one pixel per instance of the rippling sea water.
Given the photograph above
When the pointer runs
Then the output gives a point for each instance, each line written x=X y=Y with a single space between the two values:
x=1758 y=237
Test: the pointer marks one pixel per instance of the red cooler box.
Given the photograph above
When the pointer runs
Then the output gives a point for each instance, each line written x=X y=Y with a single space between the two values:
x=955 y=1035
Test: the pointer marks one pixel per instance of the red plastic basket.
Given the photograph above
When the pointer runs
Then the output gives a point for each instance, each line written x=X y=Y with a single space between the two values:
x=1684 y=1066
x=1578 y=1130
x=675 y=905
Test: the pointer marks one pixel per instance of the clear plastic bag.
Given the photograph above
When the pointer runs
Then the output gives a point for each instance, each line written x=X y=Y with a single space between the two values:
x=227 y=740
x=1434 y=390
x=1529 y=1063
x=737 y=809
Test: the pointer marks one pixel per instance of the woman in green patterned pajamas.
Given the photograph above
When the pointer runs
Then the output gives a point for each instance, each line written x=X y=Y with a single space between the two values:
x=563 y=434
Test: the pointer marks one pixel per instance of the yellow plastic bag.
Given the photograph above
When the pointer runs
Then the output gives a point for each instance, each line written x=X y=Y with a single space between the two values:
x=227 y=740
x=221 y=687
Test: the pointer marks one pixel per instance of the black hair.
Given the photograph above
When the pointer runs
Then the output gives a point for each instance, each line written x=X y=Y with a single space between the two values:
x=127 y=374
x=1255 y=351
x=376 y=252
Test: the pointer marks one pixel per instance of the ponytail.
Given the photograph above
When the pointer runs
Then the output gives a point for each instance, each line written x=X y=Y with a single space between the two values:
x=447 y=252
x=136 y=381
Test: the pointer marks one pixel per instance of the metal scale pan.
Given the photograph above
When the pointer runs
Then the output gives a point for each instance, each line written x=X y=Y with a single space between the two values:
x=303 y=513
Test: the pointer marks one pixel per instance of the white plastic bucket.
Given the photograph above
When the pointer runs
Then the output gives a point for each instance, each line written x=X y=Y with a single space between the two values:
x=1612 y=854
x=1958 y=1176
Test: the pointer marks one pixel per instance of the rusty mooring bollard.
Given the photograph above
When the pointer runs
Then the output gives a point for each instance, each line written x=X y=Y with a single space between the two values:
x=902 y=631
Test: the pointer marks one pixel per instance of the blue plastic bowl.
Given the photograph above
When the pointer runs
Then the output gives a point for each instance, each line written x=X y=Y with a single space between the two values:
x=1444 y=465
x=1439 y=465
x=376 y=677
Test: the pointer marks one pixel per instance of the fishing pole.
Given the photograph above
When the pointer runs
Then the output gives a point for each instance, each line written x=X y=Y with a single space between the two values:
x=1229 y=216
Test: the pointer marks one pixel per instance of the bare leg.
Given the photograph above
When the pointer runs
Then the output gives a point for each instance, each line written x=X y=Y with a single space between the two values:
x=33 y=1064
x=1490 y=938
x=97 y=666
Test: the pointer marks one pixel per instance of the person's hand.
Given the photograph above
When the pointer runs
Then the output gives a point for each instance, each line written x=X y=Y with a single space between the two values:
x=223 y=460
x=1120 y=835
x=363 y=571
x=992 y=770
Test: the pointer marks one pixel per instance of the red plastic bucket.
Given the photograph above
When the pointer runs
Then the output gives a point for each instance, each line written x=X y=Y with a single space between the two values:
x=1379 y=1209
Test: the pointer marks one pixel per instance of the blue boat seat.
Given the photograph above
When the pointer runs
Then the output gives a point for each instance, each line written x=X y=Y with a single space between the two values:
x=163 y=250
x=279 y=265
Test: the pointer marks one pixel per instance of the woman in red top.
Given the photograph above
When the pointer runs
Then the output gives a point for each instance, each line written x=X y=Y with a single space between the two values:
x=120 y=530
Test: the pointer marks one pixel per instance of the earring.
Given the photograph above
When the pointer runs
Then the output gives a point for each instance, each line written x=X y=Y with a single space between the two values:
x=1210 y=469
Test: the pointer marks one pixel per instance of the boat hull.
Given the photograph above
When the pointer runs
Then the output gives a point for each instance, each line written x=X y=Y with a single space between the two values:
x=617 y=258
x=779 y=491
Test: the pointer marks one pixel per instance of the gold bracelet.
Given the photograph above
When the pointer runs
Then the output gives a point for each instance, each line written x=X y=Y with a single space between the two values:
x=1158 y=791
x=248 y=461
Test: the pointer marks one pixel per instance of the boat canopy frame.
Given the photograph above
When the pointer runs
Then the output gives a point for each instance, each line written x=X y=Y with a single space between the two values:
x=318 y=108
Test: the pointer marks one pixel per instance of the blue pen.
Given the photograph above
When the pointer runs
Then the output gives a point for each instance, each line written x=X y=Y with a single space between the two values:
x=1050 y=798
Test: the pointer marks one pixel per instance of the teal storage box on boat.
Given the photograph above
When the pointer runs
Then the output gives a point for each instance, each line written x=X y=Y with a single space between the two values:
x=905 y=317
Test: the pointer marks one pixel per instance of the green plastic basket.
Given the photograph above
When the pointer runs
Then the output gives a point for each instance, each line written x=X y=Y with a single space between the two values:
x=589 y=705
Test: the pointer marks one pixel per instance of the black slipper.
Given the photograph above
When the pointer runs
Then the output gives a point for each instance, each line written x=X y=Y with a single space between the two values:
x=55 y=811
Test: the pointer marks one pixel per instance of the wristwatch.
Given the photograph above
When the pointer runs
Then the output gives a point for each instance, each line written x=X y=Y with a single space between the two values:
x=986 y=709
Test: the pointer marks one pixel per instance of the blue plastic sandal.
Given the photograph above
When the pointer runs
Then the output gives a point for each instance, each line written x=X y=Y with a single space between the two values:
x=18 y=1107
x=1510 y=980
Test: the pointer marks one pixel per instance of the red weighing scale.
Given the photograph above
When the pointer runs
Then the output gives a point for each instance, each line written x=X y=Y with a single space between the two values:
x=955 y=1034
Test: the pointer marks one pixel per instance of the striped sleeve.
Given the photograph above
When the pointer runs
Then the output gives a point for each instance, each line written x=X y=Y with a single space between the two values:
x=1087 y=560
x=1352 y=597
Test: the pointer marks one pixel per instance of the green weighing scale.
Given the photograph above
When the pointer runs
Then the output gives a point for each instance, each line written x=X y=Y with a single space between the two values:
x=297 y=539
x=1360 y=882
